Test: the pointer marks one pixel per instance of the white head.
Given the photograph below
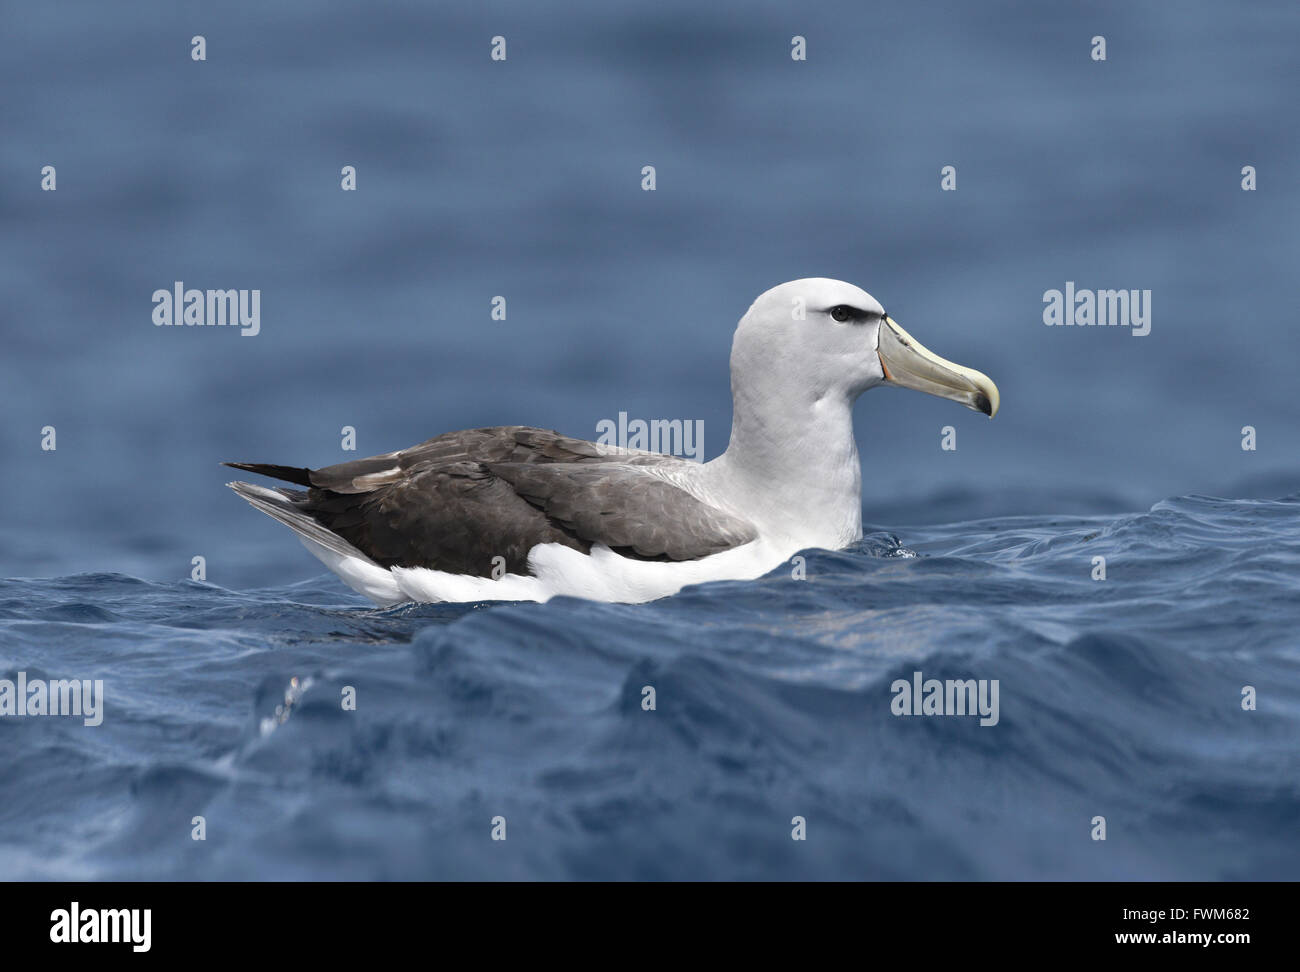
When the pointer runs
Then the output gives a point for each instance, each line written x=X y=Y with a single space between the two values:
x=801 y=355
x=818 y=338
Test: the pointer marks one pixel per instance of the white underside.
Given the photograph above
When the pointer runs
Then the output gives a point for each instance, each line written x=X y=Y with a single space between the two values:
x=557 y=570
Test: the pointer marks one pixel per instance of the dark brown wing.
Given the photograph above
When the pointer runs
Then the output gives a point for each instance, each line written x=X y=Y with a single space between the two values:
x=507 y=443
x=459 y=501
x=626 y=508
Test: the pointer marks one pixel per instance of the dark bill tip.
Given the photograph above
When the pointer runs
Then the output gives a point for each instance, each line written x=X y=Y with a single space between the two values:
x=983 y=404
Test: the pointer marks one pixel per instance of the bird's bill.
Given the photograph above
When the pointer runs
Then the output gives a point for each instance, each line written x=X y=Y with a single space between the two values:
x=909 y=364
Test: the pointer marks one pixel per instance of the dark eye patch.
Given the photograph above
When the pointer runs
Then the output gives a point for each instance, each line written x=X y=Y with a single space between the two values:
x=844 y=313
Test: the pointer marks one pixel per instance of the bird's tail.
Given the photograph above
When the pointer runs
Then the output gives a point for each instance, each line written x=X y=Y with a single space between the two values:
x=283 y=505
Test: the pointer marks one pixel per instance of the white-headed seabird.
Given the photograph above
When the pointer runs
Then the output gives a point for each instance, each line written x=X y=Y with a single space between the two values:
x=518 y=513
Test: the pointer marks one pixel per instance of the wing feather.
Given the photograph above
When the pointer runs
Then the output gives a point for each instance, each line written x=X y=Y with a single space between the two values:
x=460 y=501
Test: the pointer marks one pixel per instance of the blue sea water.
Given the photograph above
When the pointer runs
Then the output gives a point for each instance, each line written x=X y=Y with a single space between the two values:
x=1119 y=698
x=772 y=701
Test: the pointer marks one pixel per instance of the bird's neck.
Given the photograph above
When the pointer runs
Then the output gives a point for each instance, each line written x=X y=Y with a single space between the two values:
x=794 y=462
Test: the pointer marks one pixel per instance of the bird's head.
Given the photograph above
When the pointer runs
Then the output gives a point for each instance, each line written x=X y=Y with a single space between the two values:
x=834 y=338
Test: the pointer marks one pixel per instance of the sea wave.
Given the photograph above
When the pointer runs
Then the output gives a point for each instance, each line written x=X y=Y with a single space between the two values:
x=1119 y=698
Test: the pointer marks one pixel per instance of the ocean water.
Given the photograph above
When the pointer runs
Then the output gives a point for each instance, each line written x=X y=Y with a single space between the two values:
x=772 y=700
x=1119 y=698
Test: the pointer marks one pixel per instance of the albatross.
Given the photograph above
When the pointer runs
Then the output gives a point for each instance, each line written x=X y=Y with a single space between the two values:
x=520 y=513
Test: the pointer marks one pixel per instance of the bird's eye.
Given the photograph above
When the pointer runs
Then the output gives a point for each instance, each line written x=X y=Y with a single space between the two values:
x=842 y=313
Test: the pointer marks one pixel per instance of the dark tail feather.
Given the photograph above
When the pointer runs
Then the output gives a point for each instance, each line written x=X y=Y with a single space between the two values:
x=290 y=474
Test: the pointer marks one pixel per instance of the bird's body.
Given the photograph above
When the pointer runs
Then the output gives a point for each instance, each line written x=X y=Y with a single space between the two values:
x=519 y=513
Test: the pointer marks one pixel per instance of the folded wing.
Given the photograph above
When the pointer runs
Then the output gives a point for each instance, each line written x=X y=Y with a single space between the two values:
x=458 y=502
